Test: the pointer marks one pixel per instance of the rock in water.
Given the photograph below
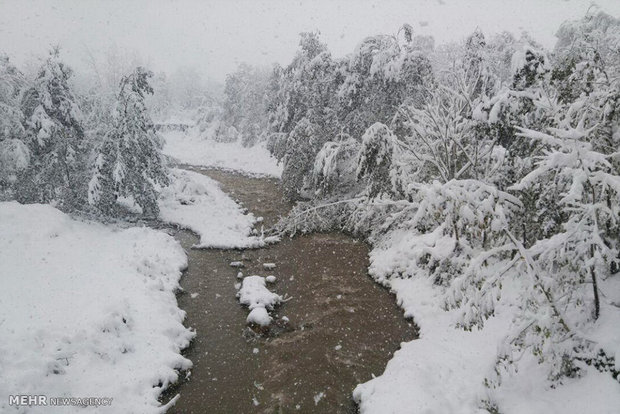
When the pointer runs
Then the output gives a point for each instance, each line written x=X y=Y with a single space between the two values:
x=259 y=316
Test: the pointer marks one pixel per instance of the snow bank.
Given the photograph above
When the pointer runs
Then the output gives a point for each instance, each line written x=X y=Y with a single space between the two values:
x=87 y=311
x=190 y=148
x=441 y=372
x=196 y=202
x=255 y=295
x=444 y=370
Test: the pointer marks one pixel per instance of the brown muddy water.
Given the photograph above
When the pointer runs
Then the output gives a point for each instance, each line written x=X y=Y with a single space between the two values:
x=342 y=329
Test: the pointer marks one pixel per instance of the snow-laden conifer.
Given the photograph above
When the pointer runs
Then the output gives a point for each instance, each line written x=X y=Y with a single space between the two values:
x=14 y=153
x=55 y=137
x=129 y=166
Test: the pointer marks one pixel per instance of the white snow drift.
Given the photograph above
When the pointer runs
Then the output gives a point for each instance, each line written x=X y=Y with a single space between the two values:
x=196 y=202
x=87 y=310
x=190 y=148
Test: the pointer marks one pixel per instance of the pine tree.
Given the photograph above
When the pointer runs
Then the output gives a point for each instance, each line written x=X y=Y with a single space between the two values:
x=55 y=136
x=129 y=163
x=14 y=154
x=11 y=84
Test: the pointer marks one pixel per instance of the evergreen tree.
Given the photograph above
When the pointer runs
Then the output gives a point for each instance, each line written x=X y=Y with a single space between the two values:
x=54 y=136
x=14 y=154
x=129 y=163
x=11 y=84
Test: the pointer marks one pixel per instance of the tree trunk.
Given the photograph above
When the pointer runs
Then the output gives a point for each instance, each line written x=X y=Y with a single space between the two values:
x=597 y=303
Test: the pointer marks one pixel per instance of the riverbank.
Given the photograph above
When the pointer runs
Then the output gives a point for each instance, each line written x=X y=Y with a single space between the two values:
x=88 y=310
x=339 y=329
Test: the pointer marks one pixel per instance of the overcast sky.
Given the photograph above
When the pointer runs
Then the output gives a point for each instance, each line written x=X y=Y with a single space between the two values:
x=214 y=36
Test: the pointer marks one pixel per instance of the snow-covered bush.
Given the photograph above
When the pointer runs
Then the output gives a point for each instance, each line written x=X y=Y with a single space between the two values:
x=581 y=252
x=335 y=168
x=456 y=238
x=377 y=162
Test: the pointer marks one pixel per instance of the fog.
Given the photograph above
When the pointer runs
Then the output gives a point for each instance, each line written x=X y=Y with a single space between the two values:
x=215 y=36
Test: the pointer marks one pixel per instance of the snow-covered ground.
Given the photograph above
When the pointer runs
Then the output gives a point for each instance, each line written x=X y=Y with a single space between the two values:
x=87 y=310
x=191 y=148
x=444 y=370
x=196 y=202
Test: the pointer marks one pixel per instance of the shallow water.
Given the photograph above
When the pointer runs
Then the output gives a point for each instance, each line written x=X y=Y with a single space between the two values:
x=342 y=329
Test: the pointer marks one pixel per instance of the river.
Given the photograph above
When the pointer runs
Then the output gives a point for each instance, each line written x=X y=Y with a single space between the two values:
x=342 y=327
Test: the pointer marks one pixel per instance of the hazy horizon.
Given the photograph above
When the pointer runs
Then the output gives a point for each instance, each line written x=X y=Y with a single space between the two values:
x=213 y=37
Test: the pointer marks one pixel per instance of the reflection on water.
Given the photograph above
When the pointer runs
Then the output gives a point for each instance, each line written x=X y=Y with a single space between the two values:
x=342 y=329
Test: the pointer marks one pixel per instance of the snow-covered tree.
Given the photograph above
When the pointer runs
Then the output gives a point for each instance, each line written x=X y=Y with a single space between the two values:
x=564 y=117
x=245 y=103
x=584 y=248
x=383 y=73
x=14 y=153
x=335 y=167
x=11 y=84
x=498 y=179
x=377 y=163
x=300 y=145
x=55 y=137
x=129 y=165
x=302 y=114
x=526 y=100
x=305 y=88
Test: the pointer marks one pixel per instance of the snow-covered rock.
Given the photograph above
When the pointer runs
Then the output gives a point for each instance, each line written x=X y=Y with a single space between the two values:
x=258 y=299
x=259 y=316
x=253 y=293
